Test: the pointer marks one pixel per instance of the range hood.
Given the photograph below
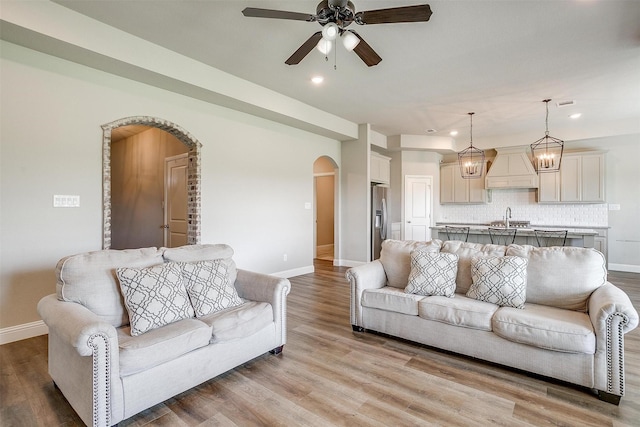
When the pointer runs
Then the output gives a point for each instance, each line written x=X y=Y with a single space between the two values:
x=512 y=168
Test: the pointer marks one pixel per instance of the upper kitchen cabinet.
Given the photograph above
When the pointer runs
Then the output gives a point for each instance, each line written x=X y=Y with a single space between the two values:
x=455 y=189
x=380 y=168
x=512 y=168
x=580 y=180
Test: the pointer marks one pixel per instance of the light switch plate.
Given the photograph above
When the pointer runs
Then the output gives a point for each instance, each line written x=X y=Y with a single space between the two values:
x=66 y=201
x=614 y=207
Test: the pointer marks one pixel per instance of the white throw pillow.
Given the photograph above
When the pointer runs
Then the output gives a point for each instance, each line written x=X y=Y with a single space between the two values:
x=499 y=280
x=154 y=296
x=209 y=286
x=432 y=273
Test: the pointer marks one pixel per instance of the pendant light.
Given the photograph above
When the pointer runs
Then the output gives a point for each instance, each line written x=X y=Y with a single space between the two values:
x=547 y=151
x=471 y=159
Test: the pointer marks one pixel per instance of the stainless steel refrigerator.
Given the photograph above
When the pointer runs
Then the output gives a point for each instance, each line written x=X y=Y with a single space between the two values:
x=378 y=218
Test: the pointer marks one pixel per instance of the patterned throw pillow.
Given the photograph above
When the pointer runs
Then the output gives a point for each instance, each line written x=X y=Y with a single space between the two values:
x=154 y=296
x=209 y=287
x=499 y=280
x=432 y=273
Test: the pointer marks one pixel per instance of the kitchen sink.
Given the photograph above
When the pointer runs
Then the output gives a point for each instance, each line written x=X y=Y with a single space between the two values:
x=512 y=224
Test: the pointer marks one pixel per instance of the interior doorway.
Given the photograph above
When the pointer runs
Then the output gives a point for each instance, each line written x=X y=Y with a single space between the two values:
x=186 y=143
x=325 y=191
x=140 y=156
x=418 y=206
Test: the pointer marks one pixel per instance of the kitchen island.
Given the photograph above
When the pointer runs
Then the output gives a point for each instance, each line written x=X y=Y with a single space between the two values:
x=479 y=233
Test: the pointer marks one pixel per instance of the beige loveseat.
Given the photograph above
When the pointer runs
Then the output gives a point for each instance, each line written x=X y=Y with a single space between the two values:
x=549 y=311
x=110 y=366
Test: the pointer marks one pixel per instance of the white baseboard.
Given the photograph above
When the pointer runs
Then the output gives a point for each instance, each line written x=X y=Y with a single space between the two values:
x=628 y=268
x=22 y=332
x=294 y=272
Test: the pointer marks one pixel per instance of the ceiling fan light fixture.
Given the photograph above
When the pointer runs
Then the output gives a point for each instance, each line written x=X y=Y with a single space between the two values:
x=330 y=31
x=324 y=46
x=349 y=40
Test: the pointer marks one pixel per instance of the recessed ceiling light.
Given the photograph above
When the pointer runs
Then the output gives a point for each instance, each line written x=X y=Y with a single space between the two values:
x=431 y=131
x=575 y=115
x=453 y=133
x=317 y=79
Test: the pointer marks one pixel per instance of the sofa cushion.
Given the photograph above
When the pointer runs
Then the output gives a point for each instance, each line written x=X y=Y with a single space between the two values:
x=391 y=299
x=432 y=273
x=466 y=251
x=239 y=322
x=562 y=277
x=499 y=280
x=546 y=327
x=205 y=252
x=138 y=353
x=209 y=287
x=395 y=257
x=90 y=279
x=154 y=296
x=458 y=311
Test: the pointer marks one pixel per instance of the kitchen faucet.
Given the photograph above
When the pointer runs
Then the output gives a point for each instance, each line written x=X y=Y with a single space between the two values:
x=507 y=217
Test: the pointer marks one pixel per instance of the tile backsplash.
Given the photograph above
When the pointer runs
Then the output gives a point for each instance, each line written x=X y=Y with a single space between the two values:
x=524 y=207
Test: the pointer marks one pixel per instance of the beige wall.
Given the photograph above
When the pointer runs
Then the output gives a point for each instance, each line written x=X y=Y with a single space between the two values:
x=253 y=194
x=137 y=187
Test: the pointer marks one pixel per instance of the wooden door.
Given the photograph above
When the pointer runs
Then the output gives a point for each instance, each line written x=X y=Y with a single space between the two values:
x=417 y=207
x=175 y=201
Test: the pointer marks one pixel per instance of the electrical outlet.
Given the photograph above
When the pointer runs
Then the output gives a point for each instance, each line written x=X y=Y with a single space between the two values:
x=61 y=201
x=614 y=207
x=284 y=257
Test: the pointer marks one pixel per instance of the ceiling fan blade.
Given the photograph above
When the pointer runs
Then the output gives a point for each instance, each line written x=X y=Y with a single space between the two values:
x=366 y=52
x=418 y=13
x=254 y=12
x=304 y=50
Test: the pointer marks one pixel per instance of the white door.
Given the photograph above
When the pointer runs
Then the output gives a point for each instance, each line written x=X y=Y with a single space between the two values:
x=175 y=201
x=418 y=203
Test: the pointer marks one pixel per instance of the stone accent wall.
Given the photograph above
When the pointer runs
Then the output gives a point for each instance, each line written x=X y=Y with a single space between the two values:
x=193 y=179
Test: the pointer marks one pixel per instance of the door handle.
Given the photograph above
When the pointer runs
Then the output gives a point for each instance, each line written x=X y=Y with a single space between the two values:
x=164 y=226
x=408 y=222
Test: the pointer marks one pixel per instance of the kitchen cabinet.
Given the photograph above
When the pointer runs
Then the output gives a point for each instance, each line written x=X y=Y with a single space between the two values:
x=455 y=189
x=380 y=168
x=580 y=180
x=600 y=243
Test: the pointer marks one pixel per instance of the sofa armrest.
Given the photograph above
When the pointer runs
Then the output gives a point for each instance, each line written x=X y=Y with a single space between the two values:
x=266 y=288
x=612 y=316
x=367 y=276
x=74 y=323
x=84 y=360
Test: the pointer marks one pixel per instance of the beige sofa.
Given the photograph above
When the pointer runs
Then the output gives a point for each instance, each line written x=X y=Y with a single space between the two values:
x=570 y=323
x=109 y=370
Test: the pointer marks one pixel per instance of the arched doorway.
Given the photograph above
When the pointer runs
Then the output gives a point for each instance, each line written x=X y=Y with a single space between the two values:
x=193 y=173
x=325 y=190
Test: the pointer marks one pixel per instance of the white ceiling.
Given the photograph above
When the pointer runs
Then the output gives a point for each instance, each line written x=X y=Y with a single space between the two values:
x=499 y=59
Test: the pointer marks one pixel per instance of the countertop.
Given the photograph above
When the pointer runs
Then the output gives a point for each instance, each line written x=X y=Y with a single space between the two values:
x=482 y=228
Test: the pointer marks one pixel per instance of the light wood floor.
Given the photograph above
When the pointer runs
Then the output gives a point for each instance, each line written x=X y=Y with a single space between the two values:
x=329 y=375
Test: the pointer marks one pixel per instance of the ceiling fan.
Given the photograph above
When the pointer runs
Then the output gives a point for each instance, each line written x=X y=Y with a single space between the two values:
x=335 y=16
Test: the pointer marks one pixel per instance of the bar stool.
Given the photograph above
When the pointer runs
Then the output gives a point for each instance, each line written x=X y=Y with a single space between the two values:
x=457 y=233
x=546 y=238
x=502 y=236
